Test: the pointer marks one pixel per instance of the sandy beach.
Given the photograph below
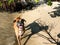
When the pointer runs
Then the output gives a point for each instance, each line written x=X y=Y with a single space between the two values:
x=35 y=20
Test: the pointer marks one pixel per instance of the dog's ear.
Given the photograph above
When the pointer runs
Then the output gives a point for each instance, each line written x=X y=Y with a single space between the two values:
x=14 y=21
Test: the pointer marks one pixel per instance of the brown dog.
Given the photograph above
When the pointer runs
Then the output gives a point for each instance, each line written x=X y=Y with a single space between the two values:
x=16 y=28
x=19 y=30
x=15 y=25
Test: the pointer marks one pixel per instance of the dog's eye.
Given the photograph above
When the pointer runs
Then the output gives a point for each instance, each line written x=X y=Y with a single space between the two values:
x=14 y=21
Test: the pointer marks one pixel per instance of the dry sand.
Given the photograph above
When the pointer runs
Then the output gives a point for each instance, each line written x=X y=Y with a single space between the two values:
x=41 y=13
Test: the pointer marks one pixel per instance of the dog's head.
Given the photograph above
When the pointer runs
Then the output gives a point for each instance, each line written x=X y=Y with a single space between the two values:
x=17 y=19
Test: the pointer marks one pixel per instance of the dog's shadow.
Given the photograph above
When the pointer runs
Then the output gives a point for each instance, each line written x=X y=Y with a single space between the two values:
x=35 y=28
